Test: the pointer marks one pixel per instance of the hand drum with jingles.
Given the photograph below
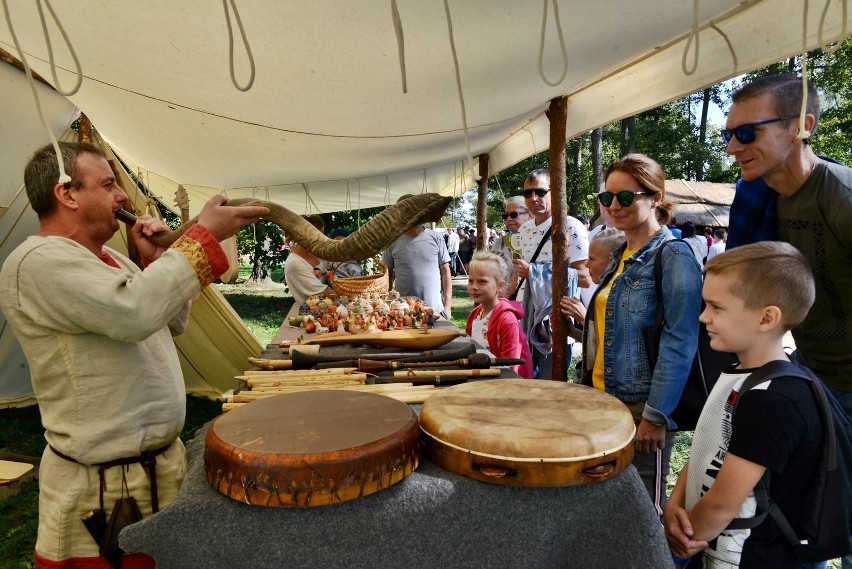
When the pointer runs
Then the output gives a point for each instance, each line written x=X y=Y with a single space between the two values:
x=312 y=448
x=520 y=432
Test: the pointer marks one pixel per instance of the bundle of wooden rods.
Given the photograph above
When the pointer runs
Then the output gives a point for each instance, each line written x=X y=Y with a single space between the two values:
x=408 y=386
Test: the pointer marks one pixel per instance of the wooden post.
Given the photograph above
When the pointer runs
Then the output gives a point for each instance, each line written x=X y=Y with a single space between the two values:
x=85 y=132
x=482 y=204
x=557 y=114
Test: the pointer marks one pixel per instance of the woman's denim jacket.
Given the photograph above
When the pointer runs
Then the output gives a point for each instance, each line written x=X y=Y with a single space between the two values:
x=632 y=306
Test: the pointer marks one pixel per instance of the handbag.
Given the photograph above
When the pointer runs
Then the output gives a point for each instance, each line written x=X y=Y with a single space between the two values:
x=707 y=364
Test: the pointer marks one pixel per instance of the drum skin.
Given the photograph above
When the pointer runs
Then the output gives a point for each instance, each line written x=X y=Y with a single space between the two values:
x=311 y=448
x=521 y=432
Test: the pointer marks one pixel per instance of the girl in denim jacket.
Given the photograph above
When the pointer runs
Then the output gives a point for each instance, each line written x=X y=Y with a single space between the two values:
x=615 y=359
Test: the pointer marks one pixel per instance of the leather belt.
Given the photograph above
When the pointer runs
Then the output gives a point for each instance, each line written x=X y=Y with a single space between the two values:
x=148 y=460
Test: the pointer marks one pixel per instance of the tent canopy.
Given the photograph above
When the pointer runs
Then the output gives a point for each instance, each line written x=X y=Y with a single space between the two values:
x=326 y=124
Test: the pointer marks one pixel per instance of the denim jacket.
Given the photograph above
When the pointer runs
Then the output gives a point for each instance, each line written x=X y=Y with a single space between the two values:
x=632 y=306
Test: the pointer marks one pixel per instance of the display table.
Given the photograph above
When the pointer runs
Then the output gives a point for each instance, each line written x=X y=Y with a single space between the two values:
x=433 y=518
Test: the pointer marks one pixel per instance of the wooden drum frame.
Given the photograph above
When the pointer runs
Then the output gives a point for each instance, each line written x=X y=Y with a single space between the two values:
x=312 y=448
x=534 y=433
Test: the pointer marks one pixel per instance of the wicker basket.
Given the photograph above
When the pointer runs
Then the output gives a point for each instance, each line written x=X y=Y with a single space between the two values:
x=366 y=285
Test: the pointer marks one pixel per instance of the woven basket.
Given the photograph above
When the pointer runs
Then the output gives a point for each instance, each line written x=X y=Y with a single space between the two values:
x=367 y=285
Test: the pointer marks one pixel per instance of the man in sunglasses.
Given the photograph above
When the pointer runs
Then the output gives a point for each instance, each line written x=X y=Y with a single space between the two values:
x=814 y=209
x=535 y=236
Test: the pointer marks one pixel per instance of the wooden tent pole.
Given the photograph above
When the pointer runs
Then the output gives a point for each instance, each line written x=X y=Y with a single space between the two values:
x=482 y=204
x=557 y=114
x=85 y=132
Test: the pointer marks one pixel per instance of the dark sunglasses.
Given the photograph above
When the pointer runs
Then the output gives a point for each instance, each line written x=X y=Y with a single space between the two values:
x=513 y=215
x=746 y=134
x=625 y=197
x=540 y=192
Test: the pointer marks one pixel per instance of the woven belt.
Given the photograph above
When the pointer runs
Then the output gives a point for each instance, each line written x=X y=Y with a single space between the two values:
x=148 y=460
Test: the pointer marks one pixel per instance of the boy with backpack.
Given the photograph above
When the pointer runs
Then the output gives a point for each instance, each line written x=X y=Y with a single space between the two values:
x=754 y=294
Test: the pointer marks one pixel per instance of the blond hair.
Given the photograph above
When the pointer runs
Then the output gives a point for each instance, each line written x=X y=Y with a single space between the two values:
x=491 y=263
x=769 y=273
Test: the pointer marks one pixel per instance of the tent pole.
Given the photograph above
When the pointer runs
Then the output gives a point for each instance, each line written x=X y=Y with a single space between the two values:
x=482 y=204
x=557 y=114
x=85 y=132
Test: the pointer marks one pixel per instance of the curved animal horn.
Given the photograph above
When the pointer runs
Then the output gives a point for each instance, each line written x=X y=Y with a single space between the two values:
x=375 y=236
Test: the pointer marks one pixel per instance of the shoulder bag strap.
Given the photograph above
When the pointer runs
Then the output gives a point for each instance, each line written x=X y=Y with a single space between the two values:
x=541 y=243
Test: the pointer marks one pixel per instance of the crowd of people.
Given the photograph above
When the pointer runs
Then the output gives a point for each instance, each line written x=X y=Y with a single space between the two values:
x=112 y=401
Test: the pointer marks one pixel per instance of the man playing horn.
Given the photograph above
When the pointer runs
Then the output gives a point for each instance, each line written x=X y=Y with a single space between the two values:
x=97 y=333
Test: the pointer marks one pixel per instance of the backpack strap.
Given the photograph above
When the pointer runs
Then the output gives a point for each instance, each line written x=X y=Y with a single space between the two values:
x=768 y=372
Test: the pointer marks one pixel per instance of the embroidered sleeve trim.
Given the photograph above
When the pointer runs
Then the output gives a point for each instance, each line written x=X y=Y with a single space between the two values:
x=204 y=254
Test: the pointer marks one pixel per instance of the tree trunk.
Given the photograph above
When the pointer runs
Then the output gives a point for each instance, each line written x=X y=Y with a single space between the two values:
x=628 y=135
x=574 y=195
x=702 y=134
x=597 y=160
x=482 y=205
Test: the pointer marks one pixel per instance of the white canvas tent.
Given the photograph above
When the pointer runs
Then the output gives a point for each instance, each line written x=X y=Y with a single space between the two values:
x=326 y=124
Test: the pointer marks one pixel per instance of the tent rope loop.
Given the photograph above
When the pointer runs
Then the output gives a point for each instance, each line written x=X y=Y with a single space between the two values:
x=64 y=178
x=400 y=43
x=71 y=49
x=231 y=45
x=693 y=35
x=845 y=8
x=561 y=45
x=459 y=87
x=730 y=46
x=803 y=133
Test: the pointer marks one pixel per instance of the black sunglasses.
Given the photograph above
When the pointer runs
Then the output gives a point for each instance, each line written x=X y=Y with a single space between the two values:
x=625 y=197
x=513 y=215
x=540 y=192
x=746 y=134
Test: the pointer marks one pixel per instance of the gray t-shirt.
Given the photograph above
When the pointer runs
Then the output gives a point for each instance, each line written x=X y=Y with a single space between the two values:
x=416 y=265
x=816 y=221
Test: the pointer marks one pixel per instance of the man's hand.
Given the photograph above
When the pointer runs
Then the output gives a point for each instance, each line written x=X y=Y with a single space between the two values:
x=650 y=437
x=224 y=221
x=522 y=268
x=145 y=227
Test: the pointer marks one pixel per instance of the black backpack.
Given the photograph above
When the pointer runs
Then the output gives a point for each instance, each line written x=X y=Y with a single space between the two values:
x=707 y=365
x=828 y=502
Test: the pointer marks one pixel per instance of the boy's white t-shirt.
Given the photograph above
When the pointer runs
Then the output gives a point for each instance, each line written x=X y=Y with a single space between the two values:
x=709 y=447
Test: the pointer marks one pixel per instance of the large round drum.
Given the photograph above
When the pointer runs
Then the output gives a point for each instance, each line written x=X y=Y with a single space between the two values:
x=311 y=448
x=528 y=433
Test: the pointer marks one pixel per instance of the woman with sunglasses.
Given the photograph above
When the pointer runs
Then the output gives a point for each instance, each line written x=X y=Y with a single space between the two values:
x=626 y=301
x=515 y=214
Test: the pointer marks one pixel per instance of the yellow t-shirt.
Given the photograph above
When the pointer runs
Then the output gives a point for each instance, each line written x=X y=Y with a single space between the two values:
x=600 y=322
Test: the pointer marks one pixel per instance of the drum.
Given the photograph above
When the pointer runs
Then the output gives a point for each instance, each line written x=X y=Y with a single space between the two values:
x=519 y=432
x=311 y=448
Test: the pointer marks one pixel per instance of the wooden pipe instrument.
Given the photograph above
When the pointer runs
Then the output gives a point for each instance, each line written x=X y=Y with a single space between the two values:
x=474 y=361
x=374 y=236
x=308 y=361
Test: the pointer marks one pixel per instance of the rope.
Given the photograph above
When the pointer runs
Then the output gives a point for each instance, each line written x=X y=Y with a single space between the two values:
x=804 y=134
x=400 y=43
x=71 y=49
x=459 y=87
x=359 y=202
x=64 y=178
x=561 y=45
x=694 y=34
x=730 y=46
x=837 y=45
x=231 y=45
